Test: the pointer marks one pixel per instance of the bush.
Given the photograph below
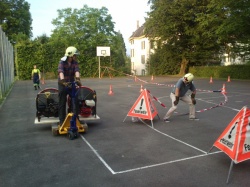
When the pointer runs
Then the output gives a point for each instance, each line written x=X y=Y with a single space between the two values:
x=234 y=71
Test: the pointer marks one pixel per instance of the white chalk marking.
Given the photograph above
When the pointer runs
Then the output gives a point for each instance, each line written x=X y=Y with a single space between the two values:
x=97 y=154
x=165 y=163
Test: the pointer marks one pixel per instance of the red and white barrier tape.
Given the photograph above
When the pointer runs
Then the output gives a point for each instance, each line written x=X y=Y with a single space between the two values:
x=155 y=98
x=172 y=85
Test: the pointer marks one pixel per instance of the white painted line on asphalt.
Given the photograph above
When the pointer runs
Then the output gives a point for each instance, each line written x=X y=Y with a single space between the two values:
x=100 y=158
x=144 y=167
x=176 y=139
x=164 y=163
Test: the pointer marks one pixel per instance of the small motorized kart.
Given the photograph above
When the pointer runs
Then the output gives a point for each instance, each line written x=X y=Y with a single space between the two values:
x=86 y=103
x=47 y=105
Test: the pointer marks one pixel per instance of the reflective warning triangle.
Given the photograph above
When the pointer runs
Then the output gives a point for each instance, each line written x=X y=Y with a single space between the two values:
x=235 y=139
x=143 y=107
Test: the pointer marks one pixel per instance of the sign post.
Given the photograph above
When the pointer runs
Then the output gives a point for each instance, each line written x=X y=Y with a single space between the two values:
x=102 y=51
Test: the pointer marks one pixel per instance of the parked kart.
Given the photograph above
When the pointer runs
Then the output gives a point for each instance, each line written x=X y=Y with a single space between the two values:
x=81 y=108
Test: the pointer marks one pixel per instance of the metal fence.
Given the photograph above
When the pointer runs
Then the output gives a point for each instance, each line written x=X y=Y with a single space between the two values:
x=6 y=64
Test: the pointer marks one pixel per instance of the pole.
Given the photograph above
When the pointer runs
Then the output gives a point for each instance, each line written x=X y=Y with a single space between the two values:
x=229 y=172
x=99 y=68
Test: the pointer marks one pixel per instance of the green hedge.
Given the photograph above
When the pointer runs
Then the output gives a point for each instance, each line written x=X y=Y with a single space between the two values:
x=234 y=71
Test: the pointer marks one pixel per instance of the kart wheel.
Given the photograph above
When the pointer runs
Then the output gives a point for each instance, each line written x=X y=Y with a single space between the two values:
x=55 y=132
x=76 y=134
x=71 y=135
x=85 y=127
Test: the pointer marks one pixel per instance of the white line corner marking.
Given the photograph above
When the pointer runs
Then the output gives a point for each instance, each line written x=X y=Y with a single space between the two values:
x=144 y=167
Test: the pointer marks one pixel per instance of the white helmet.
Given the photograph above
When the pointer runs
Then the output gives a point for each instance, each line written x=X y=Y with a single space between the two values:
x=71 y=51
x=189 y=77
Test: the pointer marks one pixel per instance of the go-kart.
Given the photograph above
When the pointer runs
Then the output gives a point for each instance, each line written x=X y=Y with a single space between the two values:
x=86 y=103
x=83 y=98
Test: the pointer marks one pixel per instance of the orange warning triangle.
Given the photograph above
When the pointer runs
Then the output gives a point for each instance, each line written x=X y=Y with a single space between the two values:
x=143 y=107
x=235 y=139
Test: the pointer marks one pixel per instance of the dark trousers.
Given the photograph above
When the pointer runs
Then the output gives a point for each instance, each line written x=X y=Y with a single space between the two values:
x=36 y=80
x=63 y=93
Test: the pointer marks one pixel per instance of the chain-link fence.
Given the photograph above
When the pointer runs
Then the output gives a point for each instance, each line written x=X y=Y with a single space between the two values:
x=6 y=65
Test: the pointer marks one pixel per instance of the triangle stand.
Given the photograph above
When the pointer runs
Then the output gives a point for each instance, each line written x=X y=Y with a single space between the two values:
x=143 y=108
x=142 y=121
x=230 y=169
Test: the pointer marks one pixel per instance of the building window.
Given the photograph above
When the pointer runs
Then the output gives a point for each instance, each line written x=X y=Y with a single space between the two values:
x=143 y=59
x=132 y=53
x=143 y=45
x=143 y=72
x=132 y=42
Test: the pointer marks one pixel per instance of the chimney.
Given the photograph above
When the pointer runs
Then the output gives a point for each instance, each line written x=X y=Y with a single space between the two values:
x=137 y=26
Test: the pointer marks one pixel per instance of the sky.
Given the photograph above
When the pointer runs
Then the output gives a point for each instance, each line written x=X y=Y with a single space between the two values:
x=125 y=14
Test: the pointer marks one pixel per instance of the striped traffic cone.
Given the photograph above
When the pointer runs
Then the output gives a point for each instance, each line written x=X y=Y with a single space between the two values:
x=211 y=80
x=110 y=90
x=141 y=90
x=223 y=90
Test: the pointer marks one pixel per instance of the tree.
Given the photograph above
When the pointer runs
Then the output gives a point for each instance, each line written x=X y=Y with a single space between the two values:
x=15 y=19
x=177 y=26
x=233 y=24
x=87 y=28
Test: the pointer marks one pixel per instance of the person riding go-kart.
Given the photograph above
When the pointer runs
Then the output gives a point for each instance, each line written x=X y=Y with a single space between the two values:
x=52 y=102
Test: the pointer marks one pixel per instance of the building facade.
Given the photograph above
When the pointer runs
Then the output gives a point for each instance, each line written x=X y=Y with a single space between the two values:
x=140 y=50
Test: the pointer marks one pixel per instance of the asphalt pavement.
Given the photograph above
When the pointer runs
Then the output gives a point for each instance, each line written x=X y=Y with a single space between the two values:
x=118 y=152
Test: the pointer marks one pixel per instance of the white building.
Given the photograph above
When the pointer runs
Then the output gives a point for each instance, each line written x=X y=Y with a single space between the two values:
x=228 y=60
x=140 y=51
x=141 y=48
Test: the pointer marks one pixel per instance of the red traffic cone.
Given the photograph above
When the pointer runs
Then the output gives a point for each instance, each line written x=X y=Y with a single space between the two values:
x=223 y=90
x=141 y=90
x=228 y=79
x=110 y=90
x=211 y=80
x=43 y=82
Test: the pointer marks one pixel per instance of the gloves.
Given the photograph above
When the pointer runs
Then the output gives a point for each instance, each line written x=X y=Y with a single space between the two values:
x=176 y=100
x=64 y=83
x=193 y=101
x=193 y=98
x=78 y=81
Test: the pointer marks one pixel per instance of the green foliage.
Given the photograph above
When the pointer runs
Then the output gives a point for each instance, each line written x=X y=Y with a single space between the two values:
x=234 y=71
x=163 y=62
x=85 y=29
x=15 y=19
x=199 y=31
x=177 y=26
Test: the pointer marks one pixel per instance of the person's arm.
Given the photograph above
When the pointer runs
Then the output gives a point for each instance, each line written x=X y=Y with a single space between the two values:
x=177 y=91
x=77 y=74
x=177 y=96
x=61 y=75
x=193 y=94
x=60 y=70
x=78 y=80
x=39 y=74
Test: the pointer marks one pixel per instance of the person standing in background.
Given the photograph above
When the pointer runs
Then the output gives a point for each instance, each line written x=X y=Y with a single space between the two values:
x=36 y=76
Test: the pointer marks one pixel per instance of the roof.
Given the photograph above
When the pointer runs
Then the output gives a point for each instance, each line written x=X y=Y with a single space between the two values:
x=138 y=33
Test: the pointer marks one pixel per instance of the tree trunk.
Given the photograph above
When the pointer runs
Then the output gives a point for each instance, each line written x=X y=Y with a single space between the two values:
x=184 y=64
